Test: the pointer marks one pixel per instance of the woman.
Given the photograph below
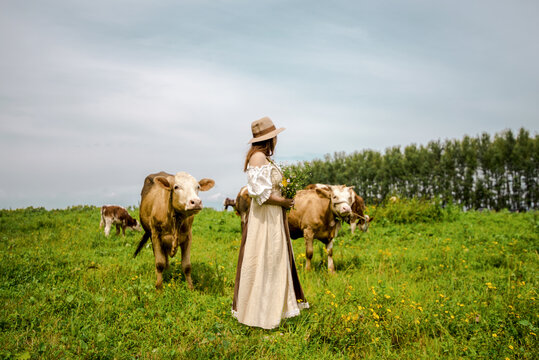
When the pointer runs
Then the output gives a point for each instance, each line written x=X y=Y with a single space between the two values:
x=267 y=287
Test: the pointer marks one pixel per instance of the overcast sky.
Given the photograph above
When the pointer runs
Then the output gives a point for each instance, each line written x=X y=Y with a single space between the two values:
x=95 y=95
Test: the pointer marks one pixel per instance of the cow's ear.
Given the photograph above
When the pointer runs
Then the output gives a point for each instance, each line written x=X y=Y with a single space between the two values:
x=206 y=184
x=162 y=181
x=323 y=193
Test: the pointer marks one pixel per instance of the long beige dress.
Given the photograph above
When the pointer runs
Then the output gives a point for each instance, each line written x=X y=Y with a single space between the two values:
x=267 y=287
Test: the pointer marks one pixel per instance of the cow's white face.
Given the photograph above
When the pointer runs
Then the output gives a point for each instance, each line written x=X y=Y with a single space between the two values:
x=137 y=226
x=342 y=198
x=185 y=192
x=365 y=223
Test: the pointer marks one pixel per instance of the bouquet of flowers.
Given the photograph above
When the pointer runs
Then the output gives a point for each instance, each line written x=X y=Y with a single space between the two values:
x=294 y=178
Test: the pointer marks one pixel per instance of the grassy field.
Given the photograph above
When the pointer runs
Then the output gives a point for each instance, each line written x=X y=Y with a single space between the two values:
x=463 y=285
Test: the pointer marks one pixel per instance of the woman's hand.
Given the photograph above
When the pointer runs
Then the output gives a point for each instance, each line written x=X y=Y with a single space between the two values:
x=280 y=201
x=287 y=203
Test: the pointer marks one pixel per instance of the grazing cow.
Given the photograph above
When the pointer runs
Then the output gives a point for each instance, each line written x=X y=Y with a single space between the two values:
x=168 y=206
x=243 y=204
x=229 y=202
x=117 y=215
x=316 y=214
x=357 y=205
x=358 y=216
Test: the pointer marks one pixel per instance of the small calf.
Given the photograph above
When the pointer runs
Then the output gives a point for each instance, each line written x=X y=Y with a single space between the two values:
x=229 y=202
x=117 y=215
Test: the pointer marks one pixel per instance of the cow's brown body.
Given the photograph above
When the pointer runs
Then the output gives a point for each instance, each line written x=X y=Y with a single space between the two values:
x=117 y=215
x=314 y=216
x=167 y=209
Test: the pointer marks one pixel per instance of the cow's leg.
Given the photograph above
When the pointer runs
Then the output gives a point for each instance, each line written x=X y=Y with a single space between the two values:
x=353 y=225
x=186 y=259
x=329 y=250
x=123 y=229
x=337 y=228
x=117 y=229
x=108 y=224
x=243 y=222
x=160 y=260
x=167 y=242
x=174 y=247
x=308 y=234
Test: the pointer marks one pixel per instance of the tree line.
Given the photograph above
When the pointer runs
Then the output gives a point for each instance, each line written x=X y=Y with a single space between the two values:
x=499 y=172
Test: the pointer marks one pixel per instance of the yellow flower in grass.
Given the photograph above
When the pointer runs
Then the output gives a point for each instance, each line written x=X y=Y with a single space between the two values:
x=490 y=286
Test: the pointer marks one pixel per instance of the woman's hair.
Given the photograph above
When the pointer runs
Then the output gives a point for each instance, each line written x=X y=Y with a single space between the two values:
x=266 y=147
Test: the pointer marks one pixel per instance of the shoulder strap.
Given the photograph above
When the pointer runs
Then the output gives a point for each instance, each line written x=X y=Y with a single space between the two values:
x=275 y=165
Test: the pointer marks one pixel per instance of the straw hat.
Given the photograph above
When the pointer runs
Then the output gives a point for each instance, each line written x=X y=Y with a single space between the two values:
x=263 y=129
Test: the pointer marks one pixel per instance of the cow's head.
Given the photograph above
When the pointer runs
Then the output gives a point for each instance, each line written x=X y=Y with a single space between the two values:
x=184 y=191
x=364 y=222
x=133 y=224
x=342 y=198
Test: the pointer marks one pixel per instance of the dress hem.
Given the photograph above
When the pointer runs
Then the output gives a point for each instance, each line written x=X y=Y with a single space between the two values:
x=287 y=315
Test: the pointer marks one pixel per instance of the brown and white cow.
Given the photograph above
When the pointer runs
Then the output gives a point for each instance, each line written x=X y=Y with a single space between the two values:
x=357 y=205
x=243 y=204
x=358 y=216
x=317 y=214
x=229 y=202
x=168 y=206
x=117 y=215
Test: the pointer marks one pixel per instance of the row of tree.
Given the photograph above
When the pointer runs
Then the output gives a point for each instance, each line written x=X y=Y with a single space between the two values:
x=476 y=172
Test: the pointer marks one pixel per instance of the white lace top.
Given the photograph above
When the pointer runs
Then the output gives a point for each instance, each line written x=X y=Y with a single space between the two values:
x=262 y=180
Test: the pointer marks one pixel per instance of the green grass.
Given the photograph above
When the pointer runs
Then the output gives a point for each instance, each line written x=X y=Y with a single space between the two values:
x=461 y=287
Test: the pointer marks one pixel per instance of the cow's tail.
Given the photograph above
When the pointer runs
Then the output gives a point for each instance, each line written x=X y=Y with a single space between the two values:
x=142 y=242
